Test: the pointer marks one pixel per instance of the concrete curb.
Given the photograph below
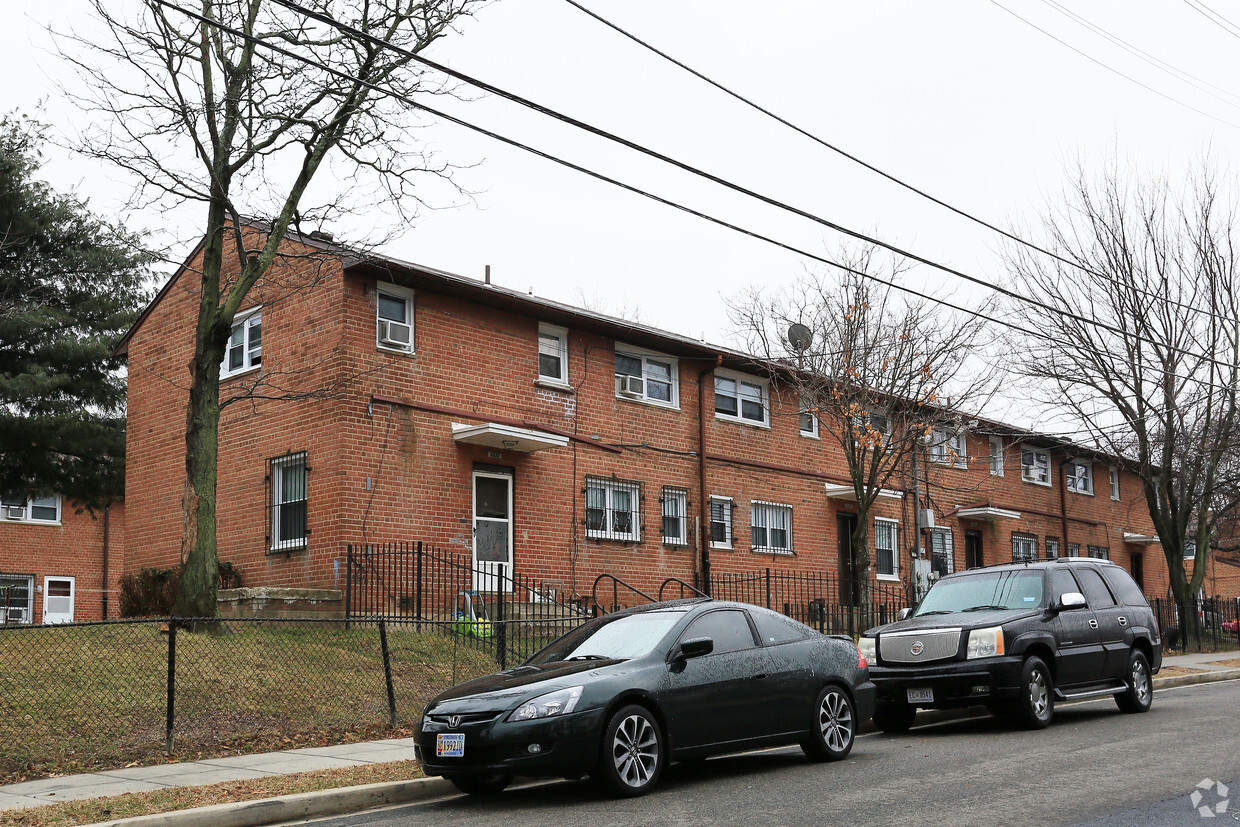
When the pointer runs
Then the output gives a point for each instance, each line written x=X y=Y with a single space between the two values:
x=355 y=799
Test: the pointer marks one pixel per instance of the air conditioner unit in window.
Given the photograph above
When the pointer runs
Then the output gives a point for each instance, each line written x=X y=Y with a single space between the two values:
x=15 y=512
x=631 y=385
x=395 y=334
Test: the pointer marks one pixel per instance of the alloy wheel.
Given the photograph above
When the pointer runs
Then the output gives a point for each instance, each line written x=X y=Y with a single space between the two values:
x=1038 y=694
x=836 y=720
x=1140 y=680
x=635 y=751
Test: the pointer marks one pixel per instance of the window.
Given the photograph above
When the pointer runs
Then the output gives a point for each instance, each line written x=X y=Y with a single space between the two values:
x=553 y=354
x=870 y=428
x=1113 y=472
x=1079 y=477
x=1123 y=586
x=1099 y=552
x=1062 y=582
x=1035 y=466
x=774 y=629
x=1190 y=550
x=34 y=509
x=1052 y=548
x=675 y=503
x=721 y=522
x=809 y=417
x=394 y=318
x=771 y=527
x=288 y=475
x=1074 y=549
x=740 y=398
x=996 y=456
x=948 y=447
x=886 y=560
x=1097 y=594
x=612 y=509
x=942 y=556
x=1024 y=547
x=244 y=350
x=728 y=629
x=648 y=377
x=16 y=598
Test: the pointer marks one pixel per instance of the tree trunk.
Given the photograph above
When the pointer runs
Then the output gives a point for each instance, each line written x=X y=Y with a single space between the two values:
x=861 y=569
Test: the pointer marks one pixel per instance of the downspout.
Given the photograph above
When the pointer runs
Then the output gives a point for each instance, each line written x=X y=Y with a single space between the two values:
x=704 y=506
x=916 y=551
x=107 y=526
x=1063 y=507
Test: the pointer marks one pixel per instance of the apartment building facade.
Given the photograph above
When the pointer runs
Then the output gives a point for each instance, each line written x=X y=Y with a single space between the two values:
x=423 y=405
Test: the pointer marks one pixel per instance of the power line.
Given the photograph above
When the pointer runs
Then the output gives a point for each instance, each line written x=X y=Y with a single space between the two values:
x=715 y=179
x=1214 y=17
x=644 y=193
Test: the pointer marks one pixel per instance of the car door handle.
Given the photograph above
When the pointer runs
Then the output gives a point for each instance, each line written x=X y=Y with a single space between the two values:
x=758 y=677
x=1123 y=621
x=1093 y=624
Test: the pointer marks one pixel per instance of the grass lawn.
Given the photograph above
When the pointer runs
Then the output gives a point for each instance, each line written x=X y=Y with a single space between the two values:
x=83 y=698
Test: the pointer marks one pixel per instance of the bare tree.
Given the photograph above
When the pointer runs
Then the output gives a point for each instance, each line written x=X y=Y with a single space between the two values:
x=1147 y=359
x=211 y=107
x=883 y=374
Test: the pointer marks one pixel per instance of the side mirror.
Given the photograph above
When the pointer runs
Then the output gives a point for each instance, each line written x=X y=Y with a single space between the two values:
x=695 y=648
x=904 y=614
x=1071 y=600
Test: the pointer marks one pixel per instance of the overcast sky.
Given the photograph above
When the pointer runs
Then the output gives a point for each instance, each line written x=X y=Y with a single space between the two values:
x=959 y=98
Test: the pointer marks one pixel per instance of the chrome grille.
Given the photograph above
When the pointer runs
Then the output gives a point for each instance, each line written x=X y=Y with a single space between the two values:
x=936 y=644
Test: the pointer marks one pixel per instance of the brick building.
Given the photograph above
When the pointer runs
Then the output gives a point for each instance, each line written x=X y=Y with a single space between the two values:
x=59 y=564
x=558 y=440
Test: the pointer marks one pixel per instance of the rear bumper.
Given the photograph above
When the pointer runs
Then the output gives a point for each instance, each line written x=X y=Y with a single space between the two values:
x=954 y=684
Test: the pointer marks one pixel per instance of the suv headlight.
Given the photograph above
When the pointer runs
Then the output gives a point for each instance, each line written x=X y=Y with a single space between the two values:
x=985 y=643
x=559 y=702
x=869 y=648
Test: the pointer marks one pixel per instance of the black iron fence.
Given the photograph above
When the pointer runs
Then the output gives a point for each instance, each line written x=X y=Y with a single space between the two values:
x=817 y=599
x=1204 y=623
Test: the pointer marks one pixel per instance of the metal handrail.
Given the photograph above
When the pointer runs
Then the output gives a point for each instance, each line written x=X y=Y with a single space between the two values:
x=615 y=581
x=683 y=586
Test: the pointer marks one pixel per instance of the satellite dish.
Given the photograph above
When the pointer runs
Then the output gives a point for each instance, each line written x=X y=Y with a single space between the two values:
x=799 y=336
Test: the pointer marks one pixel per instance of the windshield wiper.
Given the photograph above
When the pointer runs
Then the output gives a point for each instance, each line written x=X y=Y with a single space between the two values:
x=988 y=608
x=935 y=612
x=589 y=657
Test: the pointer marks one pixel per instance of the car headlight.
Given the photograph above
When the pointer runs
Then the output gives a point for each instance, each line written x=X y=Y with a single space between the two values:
x=559 y=702
x=869 y=648
x=985 y=643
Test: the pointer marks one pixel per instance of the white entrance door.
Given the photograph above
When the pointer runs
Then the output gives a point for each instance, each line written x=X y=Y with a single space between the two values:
x=492 y=529
x=58 y=599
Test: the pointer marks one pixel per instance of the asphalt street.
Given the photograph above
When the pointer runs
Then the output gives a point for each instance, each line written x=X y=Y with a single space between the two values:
x=1094 y=765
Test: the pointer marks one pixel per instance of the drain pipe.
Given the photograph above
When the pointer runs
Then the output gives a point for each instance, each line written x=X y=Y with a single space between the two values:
x=1063 y=507
x=704 y=507
x=107 y=526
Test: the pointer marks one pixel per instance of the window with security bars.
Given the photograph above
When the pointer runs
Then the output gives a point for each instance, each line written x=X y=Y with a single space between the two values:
x=770 y=526
x=16 y=598
x=288 y=480
x=675 y=507
x=885 y=557
x=1099 y=552
x=1024 y=548
x=942 y=555
x=1052 y=548
x=613 y=509
x=720 y=522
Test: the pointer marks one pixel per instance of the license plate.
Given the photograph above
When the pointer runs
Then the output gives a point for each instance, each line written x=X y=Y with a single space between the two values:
x=450 y=745
x=921 y=696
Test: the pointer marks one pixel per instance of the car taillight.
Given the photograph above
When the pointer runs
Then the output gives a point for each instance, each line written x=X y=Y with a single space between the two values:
x=862 y=663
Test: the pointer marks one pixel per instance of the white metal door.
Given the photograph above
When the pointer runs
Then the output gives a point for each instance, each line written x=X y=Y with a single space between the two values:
x=492 y=530
x=58 y=599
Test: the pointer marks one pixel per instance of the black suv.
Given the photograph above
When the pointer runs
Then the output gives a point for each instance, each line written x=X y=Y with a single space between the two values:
x=1016 y=637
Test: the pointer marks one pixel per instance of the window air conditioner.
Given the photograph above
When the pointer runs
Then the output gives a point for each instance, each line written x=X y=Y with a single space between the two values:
x=15 y=512
x=396 y=334
x=631 y=385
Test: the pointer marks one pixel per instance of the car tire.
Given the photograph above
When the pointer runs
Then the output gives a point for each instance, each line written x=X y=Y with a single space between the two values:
x=481 y=785
x=632 y=756
x=834 y=729
x=894 y=717
x=1035 y=706
x=1140 y=692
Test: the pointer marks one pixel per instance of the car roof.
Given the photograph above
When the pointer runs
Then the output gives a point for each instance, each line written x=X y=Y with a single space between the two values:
x=1036 y=564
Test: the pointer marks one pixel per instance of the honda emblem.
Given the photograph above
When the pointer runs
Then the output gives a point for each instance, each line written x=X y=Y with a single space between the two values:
x=454 y=721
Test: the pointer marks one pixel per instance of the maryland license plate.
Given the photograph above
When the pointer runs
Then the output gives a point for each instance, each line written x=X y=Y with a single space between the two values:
x=450 y=745
x=921 y=696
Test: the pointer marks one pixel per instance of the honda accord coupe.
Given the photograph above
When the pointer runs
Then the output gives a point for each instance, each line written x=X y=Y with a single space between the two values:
x=623 y=695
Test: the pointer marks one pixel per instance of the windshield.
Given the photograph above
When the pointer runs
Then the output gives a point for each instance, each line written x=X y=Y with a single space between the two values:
x=993 y=591
x=631 y=636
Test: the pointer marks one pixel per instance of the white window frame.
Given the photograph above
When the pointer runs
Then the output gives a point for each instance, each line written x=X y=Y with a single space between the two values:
x=864 y=421
x=1074 y=549
x=611 y=488
x=807 y=412
x=945 y=443
x=678 y=498
x=1032 y=547
x=21 y=510
x=558 y=349
x=996 y=456
x=739 y=381
x=279 y=467
x=1190 y=550
x=251 y=356
x=724 y=503
x=1076 y=481
x=1113 y=477
x=760 y=517
x=403 y=294
x=949 y=547
x=1040 y=460
x=895 y=548
x=18 y=614
x=646 y=357
x=1098 y=552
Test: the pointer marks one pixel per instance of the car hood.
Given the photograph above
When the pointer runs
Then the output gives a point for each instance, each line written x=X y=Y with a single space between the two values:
x=498 y=691
x=959 y=620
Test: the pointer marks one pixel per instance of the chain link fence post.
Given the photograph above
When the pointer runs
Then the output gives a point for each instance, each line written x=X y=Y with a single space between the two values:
x=387 y=673
x=172 y=684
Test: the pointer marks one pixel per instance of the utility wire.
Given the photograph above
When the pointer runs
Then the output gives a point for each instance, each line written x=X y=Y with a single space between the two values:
x=342 y=75
x=1214 y=17
x=715 y=179
x=855 y=159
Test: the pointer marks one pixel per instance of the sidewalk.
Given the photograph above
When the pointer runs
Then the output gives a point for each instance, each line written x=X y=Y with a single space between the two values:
x=242 y=767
